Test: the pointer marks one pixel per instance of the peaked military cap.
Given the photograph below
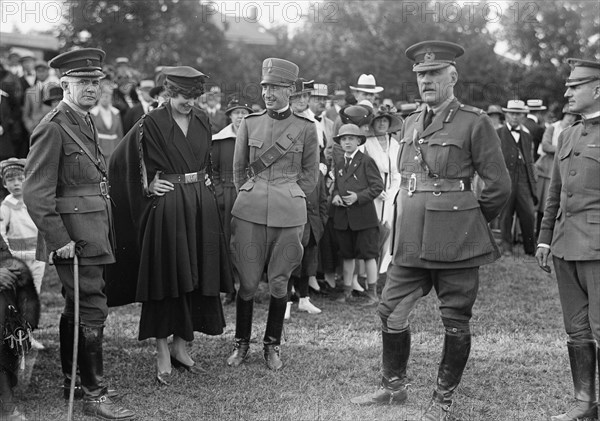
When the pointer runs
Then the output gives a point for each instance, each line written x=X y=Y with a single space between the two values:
x=433 y=55
x=277 y=71
x=85 y=62
x=184 y=77
x=582 y=71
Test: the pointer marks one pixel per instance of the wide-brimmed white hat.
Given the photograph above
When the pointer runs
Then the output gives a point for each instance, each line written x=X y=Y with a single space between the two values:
x=516 y=106
x=366 y=83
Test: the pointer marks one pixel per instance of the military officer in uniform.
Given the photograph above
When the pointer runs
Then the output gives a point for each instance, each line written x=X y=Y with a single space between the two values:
x=441 y=236
x=570 y=229
x=276 y=166
x=66 y=193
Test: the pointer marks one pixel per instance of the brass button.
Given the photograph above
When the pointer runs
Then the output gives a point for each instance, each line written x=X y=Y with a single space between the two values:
x=455 y=207
x=76 y=209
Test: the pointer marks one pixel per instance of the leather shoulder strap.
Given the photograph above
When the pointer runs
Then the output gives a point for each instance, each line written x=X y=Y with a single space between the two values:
x=84 y=148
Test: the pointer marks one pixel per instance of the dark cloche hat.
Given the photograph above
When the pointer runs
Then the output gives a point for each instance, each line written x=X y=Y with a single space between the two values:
x=303 y=86
x=356 y=114
x=277 y=71
x=184 y=77
x=582 y=71
x=51 y=92
x=433 y=55
x=85 y=62
x=235 y=104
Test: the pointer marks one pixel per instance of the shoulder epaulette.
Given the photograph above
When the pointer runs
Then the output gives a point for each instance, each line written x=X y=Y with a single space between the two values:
x=471 y=109
x=303 y=117
x=256 y=114
x=48 y=117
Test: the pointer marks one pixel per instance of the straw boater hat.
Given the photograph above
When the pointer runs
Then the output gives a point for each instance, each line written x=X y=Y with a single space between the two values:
x=320 y=90
x=366 y=83
x=516 y=106
x=536 y=105
x=350 y=130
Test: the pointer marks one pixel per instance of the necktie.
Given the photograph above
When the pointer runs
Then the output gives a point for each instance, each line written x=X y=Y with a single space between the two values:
x=428 y=119
x=348 y=160
x=514 y=129
x=88 y=120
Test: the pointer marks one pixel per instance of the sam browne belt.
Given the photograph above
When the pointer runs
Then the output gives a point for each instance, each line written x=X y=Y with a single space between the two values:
x=434 y=185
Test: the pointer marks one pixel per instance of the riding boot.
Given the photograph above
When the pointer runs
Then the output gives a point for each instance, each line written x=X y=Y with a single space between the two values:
x=393 y=388
x=582 y=357
x=243 y=330
x=457 y=346
x=272 y=339
x=96 y=402
x=66 y=330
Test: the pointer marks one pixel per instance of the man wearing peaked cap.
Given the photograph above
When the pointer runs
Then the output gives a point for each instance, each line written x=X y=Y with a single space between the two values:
x=570 y=231
x=276 y=167
x=441 y=235
x=66 y=193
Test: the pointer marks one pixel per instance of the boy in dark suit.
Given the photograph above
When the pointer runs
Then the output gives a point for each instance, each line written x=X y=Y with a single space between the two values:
x=357 y=184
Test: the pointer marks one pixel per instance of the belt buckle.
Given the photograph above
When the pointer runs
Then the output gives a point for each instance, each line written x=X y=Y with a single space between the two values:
x=462 y=185
x=104 y=188
x=191 y=177
x=412 y=184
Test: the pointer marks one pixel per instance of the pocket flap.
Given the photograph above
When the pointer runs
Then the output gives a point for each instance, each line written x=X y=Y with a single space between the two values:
x=255 y=142
x=297 y=148
x=593 y=218
x=447 y=142
x=80 y=204
x=247 y=186
x=296 y=191
x=593 y=152
x=565 y=151
x=70 y=148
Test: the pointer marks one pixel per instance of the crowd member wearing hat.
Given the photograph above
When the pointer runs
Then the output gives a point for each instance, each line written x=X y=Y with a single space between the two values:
x=11 y=127
x=28 y=77
x=275 y=167
x=51 y=95
x=16 y=227
x=441 y=147
x=535 y=123
x=179 y=260
x=66 y=193
x=496 y=115
x=211 y=103
x=355 y=220
x=14 y=62
x=517 y=148
x=383 y=149
x=570 y=231
x=141 y=107
x=17 y=291
x=338 y=101
x=107 y=120
x=546 y=151
x=366 y=88
x=35 y=109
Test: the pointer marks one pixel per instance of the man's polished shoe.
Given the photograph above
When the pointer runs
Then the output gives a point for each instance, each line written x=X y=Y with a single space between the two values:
x=383 y=396
x=193 y=369
x=240 y=353
x=102 y=407
x=164 y=379
x=272 y=358
x=437 y=412
x=581 y=411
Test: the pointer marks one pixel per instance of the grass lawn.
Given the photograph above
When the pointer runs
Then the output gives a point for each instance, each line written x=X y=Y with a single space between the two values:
x=518 y=368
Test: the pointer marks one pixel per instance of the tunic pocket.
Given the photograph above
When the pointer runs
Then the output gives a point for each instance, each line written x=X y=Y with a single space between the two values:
x=440 y=152
x=454 y=230
x=591 y=167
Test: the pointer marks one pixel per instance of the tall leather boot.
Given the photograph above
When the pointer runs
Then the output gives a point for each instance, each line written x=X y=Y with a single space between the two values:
x=243 y=330
x=66 y=331
x=96 y=402
x=272 y=339
x=582 y=357
x=393 y=389
x=457 y=346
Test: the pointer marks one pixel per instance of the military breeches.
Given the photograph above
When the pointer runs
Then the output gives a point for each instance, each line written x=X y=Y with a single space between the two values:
x=93 y=309
x=579 y=291
x=254 y=246
x=456 y=290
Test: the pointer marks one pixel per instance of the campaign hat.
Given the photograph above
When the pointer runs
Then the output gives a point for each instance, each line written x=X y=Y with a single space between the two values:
x=366 y=83
x=582 y=71
x=516 y=106
x=350 y=129
x=494 y=109
x=11 y=164
x=277 y=71
x=433 y=55
x=235 y=104
x=536 y=105
x=184 y=77
x=84 y=62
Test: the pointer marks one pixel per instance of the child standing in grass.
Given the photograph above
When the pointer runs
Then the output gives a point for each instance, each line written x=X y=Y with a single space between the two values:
x=16 y=227
x=355 y=221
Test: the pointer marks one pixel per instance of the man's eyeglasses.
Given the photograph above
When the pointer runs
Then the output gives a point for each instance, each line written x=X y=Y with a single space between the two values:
x=87 y=82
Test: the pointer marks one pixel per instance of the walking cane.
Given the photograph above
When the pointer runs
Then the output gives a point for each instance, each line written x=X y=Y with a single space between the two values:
x=75 y=338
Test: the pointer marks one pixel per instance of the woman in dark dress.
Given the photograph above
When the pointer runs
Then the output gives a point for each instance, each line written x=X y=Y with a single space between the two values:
x=182 y=253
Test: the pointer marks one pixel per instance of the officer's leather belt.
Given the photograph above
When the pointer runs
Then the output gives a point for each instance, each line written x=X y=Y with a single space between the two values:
x=416 y=184
x=188 y=178
x=95 y=189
